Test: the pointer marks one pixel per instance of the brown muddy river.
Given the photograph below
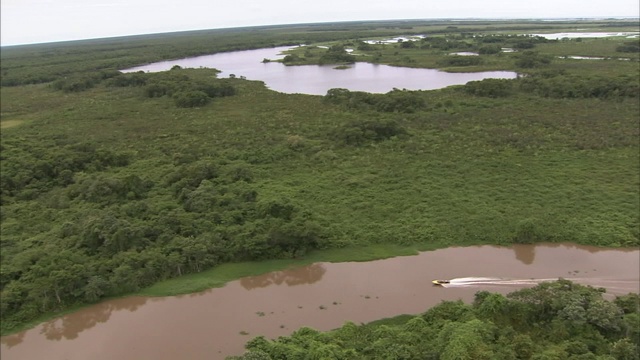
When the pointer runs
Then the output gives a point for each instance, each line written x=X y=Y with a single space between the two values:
x=211 y=324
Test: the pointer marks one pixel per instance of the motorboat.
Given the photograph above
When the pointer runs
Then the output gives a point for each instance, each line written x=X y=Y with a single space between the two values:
x=440 y=282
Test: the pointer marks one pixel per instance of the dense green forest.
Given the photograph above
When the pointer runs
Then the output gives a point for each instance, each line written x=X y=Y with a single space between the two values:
x=111 y=182
x=555 y=320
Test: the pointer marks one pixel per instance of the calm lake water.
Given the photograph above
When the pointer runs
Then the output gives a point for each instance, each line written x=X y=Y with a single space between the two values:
x=208 y=325
x=316 y=80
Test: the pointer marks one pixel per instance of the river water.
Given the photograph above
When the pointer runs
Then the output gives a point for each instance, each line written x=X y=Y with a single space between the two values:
x=315 y=79
x=217 y=322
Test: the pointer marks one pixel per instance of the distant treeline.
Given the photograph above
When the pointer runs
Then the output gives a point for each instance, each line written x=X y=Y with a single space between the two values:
x=42 y=63
x=558 y=86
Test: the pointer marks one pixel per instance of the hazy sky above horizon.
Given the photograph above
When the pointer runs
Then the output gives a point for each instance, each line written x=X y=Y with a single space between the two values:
x=36 y=21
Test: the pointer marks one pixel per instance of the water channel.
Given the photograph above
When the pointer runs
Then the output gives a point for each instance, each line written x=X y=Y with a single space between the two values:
x=316 y=79
x=217 y=322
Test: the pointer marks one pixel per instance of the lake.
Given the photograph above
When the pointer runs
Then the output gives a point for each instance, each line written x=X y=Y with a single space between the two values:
x=316 y=79
x=210 y=324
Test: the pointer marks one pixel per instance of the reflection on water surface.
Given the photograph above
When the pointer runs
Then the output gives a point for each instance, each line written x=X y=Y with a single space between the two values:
x=317 y=80
x=298 y=276
x=208 y=325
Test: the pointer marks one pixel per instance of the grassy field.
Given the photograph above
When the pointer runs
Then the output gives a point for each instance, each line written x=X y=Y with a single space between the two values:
x=112 y=188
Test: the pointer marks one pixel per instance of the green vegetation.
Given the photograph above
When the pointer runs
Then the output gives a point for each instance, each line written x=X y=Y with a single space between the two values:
x=526 y=54
x=335 y=54
x=629 y=47
x=111 y=183
x=559 y=320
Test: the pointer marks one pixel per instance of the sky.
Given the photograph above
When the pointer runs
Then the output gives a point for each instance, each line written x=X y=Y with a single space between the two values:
x=39 y=21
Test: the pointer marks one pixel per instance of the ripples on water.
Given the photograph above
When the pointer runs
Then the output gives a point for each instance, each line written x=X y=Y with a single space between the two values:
x=208 y=325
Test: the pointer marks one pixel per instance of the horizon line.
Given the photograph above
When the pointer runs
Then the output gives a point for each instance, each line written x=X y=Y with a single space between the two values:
x=114 y=37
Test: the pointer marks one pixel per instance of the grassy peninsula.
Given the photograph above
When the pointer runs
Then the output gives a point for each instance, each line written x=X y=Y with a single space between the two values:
x=113 y=182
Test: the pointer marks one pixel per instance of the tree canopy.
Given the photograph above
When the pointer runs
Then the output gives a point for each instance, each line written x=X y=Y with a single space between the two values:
x=554 y=320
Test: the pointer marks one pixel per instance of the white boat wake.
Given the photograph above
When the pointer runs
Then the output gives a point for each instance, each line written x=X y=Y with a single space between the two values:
x=620 y=286
x=477 y=281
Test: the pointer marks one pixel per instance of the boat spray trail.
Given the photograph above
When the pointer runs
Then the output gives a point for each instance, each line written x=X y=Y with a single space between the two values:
x=492 y=281
x=614 y=286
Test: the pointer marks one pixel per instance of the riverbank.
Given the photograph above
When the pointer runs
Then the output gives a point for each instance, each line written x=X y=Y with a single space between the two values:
x=115 y=181
x=321 y=295
x=225 y=273
x=460 y=175
x=221 y=275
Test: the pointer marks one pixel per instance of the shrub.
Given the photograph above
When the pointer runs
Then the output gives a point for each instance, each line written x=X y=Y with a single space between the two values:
x=489 y=49
x=186 y=99
x=156 y=90
x=402 y=101
x=408 y=45
x=399 y=101
x=532 y=59
x=457 y=60
x=629 y=47
x=131 y=79
x=76 y=83
x=291 y=58
x=492 y=88
x=216 y=90
x=336 y=54
x=567 y=86
x=337 y=95
x=360 y=132
x=528 y=232
x=363 y=46
x=521 y=45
